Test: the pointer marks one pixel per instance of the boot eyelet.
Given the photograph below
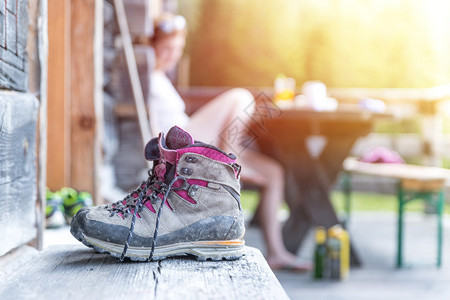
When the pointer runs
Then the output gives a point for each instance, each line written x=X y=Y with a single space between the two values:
x=187 y=171
x=192 y=190
x=191 y=159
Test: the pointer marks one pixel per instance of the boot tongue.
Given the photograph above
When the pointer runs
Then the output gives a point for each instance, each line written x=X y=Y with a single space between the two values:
x=163 y=150
x=152 y=150
x=178 y=138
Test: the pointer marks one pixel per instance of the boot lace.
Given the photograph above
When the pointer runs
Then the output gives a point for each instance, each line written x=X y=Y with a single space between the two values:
x=134 y=205
x=127 y=204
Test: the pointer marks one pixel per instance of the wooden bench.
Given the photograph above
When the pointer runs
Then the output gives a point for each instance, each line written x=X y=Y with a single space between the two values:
x=77 y=272
x=414 y=183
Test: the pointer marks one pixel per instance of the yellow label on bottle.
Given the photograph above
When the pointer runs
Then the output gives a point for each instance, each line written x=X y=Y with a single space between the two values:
x=339 y=235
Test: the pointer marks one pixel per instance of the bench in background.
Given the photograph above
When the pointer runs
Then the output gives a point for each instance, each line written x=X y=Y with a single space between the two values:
x=414 y=183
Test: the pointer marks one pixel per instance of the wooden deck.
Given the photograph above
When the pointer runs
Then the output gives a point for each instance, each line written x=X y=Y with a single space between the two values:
x=374 y=237
x=77 y=272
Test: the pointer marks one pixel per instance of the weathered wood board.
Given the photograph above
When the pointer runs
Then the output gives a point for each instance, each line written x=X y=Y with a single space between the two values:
x=139 y=17
x=130 y=164
x=129 y=160
x=58 y=108
x=120 y=85
x=13 y=40
x=18 y=117
x=76 y=272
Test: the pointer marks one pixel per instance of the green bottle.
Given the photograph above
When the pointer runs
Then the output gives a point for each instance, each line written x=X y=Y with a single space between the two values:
x=320 y=252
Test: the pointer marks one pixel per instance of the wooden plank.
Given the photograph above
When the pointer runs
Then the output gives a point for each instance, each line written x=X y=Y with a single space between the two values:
x=83 y=123
x=98 y=97
x=15 y=259
x=120 y=84
x=397 y=171
x=13 y=40
x=42 y=28
x=37 y=49
x=247 y=278
x=139 y=17
x=58 y=114
x=90 y=275
x=130 y=164
x=34 y=68
x=147 y=127
x=412 y=177
x=18 y=118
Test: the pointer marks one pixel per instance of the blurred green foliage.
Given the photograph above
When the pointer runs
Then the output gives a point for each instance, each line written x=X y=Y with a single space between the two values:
x=361 y=201
x=343 y=43
x=410 y=125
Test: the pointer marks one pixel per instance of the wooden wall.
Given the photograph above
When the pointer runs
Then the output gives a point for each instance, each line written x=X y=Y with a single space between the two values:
x=74 y=100
x=75 y=104
x=129 y=163
x=13 y=40
x=58 y=110
x=19 y=110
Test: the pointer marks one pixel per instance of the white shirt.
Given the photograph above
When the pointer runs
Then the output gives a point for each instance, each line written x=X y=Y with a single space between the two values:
x=169 y=108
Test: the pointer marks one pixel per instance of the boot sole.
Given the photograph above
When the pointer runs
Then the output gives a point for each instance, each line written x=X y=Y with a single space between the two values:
x=201 y=250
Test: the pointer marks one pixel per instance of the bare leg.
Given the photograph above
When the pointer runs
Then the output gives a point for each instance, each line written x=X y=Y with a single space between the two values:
x=223 y=121
x=271 y=178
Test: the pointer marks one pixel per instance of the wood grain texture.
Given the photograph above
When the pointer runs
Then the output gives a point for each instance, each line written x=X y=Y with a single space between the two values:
x=82 y=110
x=58 y=111
x=147 y=127
x=99 y=57
x=18 y=117
x=42 y=28
x=76 y=272
x=15 y=259
x=139 y=17
x=120 y=84
x=37 y=85
x=13 y=40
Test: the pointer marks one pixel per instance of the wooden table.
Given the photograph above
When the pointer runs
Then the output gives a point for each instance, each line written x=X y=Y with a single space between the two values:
x=283 y=135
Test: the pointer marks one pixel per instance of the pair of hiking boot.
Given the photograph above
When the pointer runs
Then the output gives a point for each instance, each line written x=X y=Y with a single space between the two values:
x=62 y=205
x=189 y=205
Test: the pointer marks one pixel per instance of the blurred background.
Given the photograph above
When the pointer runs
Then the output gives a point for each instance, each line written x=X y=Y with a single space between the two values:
x=343 y=43
x=72 y=88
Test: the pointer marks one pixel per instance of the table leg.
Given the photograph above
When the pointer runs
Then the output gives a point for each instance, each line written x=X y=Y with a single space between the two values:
x=309 y=180
x=335 y=152
x=307 y=195
x=298 y=224
x=401 y=205
x=440 y=211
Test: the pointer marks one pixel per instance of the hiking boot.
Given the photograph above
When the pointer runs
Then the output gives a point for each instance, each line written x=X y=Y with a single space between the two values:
x=54 y=210
x=189 y=205
x=73 y=201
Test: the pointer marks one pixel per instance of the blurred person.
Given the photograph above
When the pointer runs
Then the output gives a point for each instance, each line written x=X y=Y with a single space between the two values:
x=215 y=123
